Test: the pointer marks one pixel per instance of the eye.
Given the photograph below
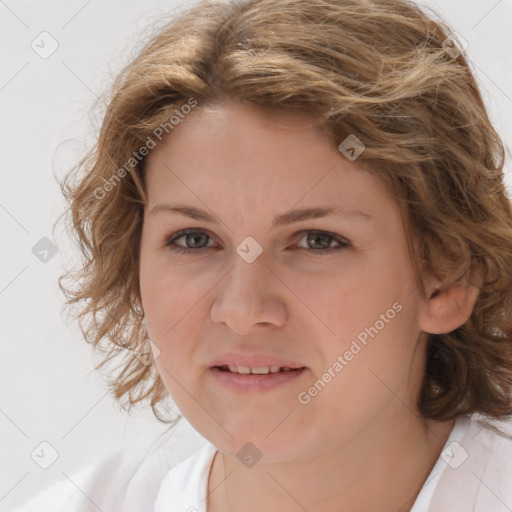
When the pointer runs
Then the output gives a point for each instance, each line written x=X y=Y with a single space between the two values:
x=194 y=238
x=319 y=240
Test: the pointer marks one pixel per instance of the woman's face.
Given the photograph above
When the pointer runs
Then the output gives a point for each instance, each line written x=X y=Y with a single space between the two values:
x=258 y=285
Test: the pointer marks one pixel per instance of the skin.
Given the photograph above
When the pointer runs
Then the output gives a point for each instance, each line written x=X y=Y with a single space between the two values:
x=359 y=444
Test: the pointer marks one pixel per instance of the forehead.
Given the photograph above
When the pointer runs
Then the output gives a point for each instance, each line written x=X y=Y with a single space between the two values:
x=242 y=127
x=253 y=159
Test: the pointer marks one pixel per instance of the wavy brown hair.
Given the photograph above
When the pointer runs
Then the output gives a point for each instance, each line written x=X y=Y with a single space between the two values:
x=377 y=69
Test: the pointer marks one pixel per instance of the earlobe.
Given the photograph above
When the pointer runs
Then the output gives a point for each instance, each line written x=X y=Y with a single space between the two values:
x=444 y=310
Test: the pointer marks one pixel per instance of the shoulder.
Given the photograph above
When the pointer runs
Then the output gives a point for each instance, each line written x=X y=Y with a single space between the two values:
x=98 y=485
x=477 y=466
x=186 y=484
x=71 y=493
x=490 y=443
x=128 y=479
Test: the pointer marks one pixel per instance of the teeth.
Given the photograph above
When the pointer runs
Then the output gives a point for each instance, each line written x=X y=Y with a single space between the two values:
x=262 y=370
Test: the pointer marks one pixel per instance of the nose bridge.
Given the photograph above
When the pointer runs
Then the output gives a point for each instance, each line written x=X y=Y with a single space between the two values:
x=248 y=265
x=246 y=295
x=245 y=280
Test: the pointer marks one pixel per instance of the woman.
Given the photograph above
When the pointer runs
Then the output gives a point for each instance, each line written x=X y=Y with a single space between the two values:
x=295 y=224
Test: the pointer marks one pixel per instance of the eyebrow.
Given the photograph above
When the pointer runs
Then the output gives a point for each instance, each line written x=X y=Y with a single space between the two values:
x=282 y=219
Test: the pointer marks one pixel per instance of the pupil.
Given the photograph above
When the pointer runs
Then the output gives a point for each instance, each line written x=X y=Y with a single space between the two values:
x=193 y=237
x=316 y=236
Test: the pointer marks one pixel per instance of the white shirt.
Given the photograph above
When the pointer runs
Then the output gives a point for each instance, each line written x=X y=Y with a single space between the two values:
x=473 y=473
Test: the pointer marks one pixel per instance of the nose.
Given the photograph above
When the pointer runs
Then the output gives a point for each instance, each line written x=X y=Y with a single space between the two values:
x=249 y=298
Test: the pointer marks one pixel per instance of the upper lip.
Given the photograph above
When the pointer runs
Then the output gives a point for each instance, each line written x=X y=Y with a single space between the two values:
x=253 y=360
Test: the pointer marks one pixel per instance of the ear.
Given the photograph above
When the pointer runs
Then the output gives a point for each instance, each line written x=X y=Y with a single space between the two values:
x=444 y=310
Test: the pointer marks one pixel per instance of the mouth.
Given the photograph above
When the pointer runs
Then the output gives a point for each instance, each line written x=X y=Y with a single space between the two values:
x=244 y=379
x=261 y=370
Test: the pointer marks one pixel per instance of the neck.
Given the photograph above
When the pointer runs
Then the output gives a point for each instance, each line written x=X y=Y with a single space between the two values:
x=379 y=469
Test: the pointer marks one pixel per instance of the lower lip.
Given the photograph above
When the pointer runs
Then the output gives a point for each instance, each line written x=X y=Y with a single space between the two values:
x=253 y=382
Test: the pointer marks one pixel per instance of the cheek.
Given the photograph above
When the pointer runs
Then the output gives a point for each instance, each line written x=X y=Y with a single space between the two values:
x=167 y=314
x=350 y=300
x=368 y=375
x=162 y=309
x=163 y=291
x=371 y=314
x=174 y=309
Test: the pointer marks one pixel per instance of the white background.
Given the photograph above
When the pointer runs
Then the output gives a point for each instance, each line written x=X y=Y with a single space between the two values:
x=48 y=391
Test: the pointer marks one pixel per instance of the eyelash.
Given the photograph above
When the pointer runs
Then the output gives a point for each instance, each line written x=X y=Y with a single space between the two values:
x=177 y=248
